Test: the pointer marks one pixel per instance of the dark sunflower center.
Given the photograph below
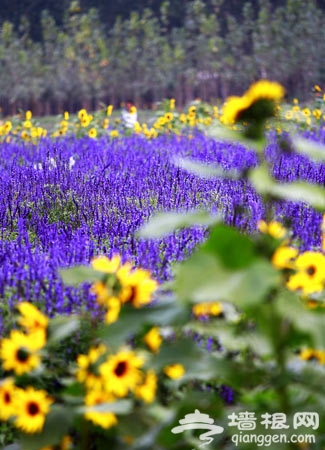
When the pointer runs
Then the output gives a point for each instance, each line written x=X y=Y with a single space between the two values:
x=311 y=270
x=120 y=369
x=133 y=293
x=32 y=408
x=7 y=397
x=22 y=355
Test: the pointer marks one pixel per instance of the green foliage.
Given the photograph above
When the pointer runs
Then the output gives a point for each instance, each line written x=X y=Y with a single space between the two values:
x=297 y=191
x=165 y=223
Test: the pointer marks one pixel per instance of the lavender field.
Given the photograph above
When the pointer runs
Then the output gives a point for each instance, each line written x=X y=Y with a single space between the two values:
x=64 y=201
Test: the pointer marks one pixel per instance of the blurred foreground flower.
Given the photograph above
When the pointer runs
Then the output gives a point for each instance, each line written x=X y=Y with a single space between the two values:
x=252 y=109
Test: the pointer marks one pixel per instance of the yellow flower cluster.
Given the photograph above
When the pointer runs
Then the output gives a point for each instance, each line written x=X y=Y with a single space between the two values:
x=154 y=340
x=147 y=132
x=309 y=276
x=101 y=123
x=27 y=130
x=86 y=124
x=259 y=102
x=173 y=122
x=5 y=129
x=273 y=228
x=307 y=116
x=28 y=407
x=304 y=272
x=307 y=269
x=20 y=354
x=207 y=309
x=136 y=286
x=108 y=377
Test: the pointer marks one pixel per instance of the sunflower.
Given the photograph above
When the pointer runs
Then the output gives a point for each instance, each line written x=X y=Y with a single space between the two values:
x=32 y=319
x=133 y=110
x=109 y=110
x=92 y=133
x=114 y=134
x=233 y=108
x=257 y=103
x=121 y=372
x=105 y=419
x=266 y=90
x=215 y=111
x=310 y=273
x=162 y=121
x=153 y=339
x=283 y=257
x=183 y=118
x=306 y=112
x=19 y=351
x=103 y=264
x=25 y=135
x=137 y=286
x=168 y=116
x=147 y=390
x=85 y=121
x=174 y=371
x=27 y=124
x=103 y=292
x=317 y=113
x=87 y=371
x=32 y=407
x=300 y=281
x=308 y=354
x=7 y=126
x=137 y=127
x=191 y=120
x=82 y=114
x=192 y=110
x=7 y=395
x=113 y=306
x=28 y=115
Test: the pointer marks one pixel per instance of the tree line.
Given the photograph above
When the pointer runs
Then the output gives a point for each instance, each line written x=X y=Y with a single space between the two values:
x=82 y=63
